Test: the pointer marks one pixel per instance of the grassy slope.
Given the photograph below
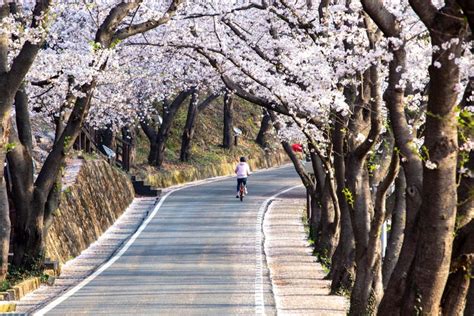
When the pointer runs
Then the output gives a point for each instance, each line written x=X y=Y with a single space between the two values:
x=206 y=149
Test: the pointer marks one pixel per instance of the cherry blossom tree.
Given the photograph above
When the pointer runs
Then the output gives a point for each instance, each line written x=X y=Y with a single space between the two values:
x=22 y=34
x=82 y=68
x=379 y=92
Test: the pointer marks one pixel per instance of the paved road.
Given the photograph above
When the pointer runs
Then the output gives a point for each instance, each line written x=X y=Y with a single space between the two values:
x=197 y=256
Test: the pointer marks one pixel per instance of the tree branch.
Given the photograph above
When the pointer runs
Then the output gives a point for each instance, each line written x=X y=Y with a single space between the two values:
x=143 y=27
x=204 y=104
x=22 y=62
x=105 y=33
x=384 y=19
x=467 y=7
x=425 y=10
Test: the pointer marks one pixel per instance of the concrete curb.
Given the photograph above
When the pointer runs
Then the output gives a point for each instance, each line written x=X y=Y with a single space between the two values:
x=7 y=307
x=21 y=289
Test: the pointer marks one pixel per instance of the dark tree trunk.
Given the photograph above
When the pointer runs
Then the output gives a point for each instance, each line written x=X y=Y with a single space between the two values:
x=106 y=138
x=315 y=214
x=342 y=269
x=328 y=237
x=52 y=204
x=457 y=287
x=158 y=138
x=265 y=125
x=35 y=201
x=317 y=198
x=361 y=209
x=152 y=135
x=228 y=140
x=160 y=149
x=469 y=310
x=188 y=131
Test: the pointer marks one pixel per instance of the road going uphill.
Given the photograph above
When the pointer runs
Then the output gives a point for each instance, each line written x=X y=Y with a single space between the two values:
x=198 y=254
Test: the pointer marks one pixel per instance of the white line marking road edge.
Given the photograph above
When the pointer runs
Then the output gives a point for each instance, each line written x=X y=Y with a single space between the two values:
x=132 y=239
x=259 y=244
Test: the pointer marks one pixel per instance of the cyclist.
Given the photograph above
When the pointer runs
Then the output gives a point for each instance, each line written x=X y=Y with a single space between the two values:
x=243 y=171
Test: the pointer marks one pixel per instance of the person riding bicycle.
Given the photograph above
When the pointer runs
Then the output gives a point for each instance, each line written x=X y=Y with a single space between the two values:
x=243 y=171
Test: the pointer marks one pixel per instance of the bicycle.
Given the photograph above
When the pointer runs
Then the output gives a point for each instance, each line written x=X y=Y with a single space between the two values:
x=241 y=192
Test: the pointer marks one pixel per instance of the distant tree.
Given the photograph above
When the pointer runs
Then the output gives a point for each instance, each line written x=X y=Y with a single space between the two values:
x=195 y=107
x=228 y=131
x=158 y=130
x=265 y=127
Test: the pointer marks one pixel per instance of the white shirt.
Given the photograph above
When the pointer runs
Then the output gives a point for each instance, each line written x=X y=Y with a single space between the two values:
x=242 y=170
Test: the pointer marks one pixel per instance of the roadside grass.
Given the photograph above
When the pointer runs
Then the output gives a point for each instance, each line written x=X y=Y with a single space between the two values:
x=16 y=275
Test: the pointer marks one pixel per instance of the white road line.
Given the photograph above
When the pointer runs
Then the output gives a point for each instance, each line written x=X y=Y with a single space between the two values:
x=259 y=240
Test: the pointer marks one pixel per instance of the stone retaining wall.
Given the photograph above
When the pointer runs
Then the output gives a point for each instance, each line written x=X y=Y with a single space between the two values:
x=98 y=197
x=167 y=178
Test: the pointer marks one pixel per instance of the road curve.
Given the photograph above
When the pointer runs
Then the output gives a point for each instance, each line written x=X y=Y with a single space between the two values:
x=196 y=256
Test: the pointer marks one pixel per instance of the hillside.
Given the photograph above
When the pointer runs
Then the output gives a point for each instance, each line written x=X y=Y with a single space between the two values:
x=206 y=146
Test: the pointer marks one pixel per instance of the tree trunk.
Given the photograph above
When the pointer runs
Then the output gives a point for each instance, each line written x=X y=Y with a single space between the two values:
x=153 y=152
x=366 y=279
x=106 y=138
x=328 y=236
x=11 y=77
x=315 y=212
x=342 y=263
x=438 y=209
x=52 y=204
x=189 y=127
x=265 y=126
x=392 y=300
x=159 y=138
x=160 y=150
x=32 y=199
x=4 y=224
x=454 y=297
x=469 y=310
x=228 y=139
x=366 y=216
x=395 y=239
x=317 y=198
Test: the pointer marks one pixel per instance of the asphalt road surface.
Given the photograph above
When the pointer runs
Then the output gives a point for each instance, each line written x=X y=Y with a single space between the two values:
x=198 y=255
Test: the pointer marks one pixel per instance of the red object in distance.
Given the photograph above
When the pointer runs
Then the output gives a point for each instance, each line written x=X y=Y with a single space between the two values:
x=297 y=148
